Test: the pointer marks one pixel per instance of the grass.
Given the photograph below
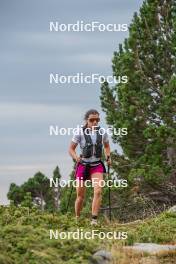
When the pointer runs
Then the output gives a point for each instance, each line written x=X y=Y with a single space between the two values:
x=24 y=237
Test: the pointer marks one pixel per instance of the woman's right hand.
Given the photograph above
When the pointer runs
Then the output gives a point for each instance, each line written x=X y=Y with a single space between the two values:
x=78 y=159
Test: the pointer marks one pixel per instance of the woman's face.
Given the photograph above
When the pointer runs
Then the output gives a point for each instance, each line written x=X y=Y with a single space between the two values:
x=93 y=120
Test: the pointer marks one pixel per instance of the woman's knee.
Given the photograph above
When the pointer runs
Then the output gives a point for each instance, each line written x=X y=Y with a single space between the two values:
x=97 y=192
x=80 y=197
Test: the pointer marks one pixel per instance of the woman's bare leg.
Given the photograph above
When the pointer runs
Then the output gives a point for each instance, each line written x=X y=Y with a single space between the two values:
x=97 y=193
x=80 y=191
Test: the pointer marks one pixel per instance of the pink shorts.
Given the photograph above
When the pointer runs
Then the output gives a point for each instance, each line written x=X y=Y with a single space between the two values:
x=80 y=169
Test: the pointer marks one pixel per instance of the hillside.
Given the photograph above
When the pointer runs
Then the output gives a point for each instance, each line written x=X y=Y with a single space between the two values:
x=25 y=237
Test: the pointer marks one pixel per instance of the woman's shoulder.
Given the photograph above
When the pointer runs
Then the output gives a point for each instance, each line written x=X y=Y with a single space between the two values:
x=79 y=130
x=77 y=134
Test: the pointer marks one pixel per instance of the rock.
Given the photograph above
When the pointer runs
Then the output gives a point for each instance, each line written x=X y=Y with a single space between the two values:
x=96 y=260
x=101 y=257
x=172 y=209
x=151 y=248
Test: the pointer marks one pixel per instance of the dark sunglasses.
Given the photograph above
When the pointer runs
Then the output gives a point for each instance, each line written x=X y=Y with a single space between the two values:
x=94 y=119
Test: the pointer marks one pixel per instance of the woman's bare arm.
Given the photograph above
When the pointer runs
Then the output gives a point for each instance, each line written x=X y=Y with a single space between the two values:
x=72 y=151
x=107 y=151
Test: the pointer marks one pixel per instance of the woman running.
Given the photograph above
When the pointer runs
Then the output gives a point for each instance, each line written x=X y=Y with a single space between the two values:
x=89 y=165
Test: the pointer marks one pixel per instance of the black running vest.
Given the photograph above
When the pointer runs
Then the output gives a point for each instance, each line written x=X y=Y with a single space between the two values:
x=89 y=149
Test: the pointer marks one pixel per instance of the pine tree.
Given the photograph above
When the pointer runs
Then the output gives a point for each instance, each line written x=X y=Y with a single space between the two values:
x=57 y=190
x=15 y=194
x=27 y=202
x=146 y=104
x=38 y=186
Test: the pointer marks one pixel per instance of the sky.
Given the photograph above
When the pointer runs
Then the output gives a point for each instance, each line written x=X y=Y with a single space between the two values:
x=29 y=104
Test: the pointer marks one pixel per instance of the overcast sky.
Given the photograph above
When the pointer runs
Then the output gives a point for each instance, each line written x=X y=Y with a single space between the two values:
x=28 y=103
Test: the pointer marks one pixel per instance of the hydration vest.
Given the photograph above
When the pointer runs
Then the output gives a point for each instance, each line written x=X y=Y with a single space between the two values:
x=90 y=149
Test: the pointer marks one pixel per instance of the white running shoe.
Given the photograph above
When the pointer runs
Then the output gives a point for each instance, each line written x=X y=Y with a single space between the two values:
x=94 y=222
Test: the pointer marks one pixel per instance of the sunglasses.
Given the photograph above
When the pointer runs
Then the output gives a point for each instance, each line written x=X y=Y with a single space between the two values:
x=94 y=119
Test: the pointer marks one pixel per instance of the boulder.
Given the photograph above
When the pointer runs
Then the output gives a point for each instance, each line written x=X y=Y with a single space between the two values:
x=101 y=257
x=172 y=209
x=151 y=248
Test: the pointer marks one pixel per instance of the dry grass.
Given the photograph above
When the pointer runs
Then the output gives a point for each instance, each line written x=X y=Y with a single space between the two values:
x=128 y=256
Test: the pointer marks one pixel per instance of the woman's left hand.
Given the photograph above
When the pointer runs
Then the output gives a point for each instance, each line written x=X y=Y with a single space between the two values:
x=108 y=160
